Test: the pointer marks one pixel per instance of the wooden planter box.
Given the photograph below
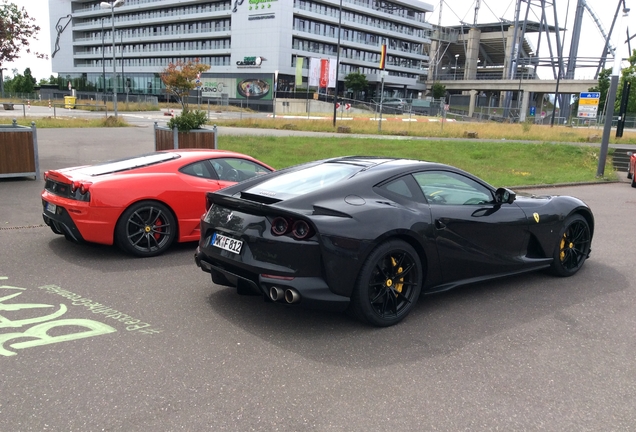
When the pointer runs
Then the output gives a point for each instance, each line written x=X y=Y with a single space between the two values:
x=19 y=151
x=169 y=139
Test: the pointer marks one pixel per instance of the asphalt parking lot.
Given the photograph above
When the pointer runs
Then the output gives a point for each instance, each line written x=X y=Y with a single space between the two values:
x=92 y=339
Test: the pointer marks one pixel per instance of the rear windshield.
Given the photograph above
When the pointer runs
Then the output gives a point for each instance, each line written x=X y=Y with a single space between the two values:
x=307 y=180
x=127 y=164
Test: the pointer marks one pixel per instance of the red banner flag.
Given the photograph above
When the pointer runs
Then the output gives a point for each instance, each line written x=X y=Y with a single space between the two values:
x=383 y=57
x=324 y=72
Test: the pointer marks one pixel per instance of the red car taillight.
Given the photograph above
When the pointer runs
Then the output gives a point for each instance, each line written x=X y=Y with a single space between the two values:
x=83 y=187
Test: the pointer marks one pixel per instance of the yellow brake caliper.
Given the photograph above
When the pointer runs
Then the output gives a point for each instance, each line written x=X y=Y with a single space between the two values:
x=400 y=284
x=562 y=247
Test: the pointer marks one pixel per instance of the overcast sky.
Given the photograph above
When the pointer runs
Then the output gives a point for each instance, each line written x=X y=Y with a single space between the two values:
x=453 y=11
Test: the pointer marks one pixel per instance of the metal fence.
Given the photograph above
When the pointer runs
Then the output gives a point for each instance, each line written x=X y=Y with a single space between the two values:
x=121 y=98
x=22 y=96
x=93 y=96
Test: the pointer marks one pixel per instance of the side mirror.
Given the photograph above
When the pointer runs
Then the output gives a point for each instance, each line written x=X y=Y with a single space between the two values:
x=505 y=196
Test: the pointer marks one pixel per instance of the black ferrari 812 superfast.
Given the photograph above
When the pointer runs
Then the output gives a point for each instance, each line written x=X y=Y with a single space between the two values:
x=371 y=234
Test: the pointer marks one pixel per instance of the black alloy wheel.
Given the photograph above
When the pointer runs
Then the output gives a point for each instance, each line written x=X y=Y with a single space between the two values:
x=146 y=229
x=573 y=246
x=388 y=285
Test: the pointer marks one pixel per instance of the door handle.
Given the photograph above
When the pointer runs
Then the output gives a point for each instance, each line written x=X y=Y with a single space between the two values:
x=439 y=224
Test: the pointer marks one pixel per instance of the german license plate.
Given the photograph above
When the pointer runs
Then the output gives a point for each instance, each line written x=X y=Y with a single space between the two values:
x=226 y=243
x=50 y=207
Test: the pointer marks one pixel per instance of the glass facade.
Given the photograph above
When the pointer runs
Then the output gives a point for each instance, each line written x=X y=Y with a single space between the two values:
x=138 y=83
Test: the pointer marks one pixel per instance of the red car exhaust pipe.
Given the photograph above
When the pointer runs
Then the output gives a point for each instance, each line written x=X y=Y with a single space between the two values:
x=276 y=293
x=292 y=296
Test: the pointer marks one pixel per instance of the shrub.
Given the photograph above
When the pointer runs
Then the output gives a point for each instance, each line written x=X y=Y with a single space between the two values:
x=113 y=121
x=188 y=120
x=526 y=125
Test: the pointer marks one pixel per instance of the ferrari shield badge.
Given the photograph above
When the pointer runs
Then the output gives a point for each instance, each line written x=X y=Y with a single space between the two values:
x=536 y=217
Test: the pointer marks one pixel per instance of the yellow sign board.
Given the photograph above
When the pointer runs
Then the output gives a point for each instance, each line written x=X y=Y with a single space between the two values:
x=588 y=101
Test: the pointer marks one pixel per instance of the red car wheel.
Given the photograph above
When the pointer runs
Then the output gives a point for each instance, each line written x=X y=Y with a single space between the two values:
x=146 y=229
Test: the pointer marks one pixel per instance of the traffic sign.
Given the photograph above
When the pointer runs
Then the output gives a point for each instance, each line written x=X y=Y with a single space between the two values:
x=348 y=106
x=533 y=111
x=590 y=95
x=588 y=104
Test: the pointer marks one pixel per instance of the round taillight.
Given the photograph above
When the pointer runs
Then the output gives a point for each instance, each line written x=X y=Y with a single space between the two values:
x=84 y=188
x=279 y=226
x=300 y=230
x=74 y=186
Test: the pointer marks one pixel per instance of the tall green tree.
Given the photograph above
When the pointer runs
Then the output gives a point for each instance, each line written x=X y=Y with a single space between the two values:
x=24 y=83
x=21 y=83
x=17 y=31
x=628 y=74
x=356 y=82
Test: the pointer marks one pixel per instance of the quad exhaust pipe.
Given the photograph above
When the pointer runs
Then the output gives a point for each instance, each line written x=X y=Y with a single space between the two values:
x=290 y=295
x=276 y=293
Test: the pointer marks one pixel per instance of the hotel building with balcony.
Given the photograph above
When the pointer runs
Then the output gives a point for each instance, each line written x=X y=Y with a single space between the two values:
x=246 y=43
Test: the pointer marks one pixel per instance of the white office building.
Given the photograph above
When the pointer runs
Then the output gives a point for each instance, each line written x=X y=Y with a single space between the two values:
x=247 y=43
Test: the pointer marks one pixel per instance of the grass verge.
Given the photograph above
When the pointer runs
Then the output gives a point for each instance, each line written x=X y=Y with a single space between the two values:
x=400 y=126
x=500 y=164
x=67 y=122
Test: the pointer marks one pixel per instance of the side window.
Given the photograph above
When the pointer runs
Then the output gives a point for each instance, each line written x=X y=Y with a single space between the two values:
x=197 y=169
x=449 y=188
x=236 y=170
x=401 y=190
x=399 y=187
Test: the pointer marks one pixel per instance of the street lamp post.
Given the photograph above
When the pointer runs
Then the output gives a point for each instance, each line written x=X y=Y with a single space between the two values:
x=275 y=89
x=112 y=6
x=609 y=105
x=335 y=93
x=455 y=72
x=2 y=82
x=123 y=74
x=103 y=66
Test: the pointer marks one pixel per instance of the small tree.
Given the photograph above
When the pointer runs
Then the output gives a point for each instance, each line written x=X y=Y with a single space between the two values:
x=356 y=82
x=438 y=90
x=17 y=31
x=179 y=79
